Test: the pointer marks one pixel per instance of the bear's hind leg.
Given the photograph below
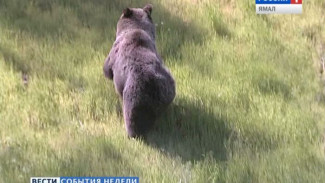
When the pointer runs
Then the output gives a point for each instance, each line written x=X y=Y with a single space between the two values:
x=138 y=119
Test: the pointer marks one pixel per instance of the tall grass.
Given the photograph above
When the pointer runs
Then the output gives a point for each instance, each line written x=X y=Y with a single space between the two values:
x=249 y=104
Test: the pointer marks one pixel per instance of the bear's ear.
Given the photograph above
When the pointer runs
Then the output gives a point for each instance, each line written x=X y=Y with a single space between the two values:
x=148 y=9
x=127 y=12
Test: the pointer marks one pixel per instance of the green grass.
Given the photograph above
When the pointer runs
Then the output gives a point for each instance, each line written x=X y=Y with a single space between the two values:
x=249 y=104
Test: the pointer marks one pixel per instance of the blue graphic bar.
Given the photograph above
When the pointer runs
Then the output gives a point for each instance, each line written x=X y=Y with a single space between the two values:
x=273 y=1
x=99 y=179
x=84 y=180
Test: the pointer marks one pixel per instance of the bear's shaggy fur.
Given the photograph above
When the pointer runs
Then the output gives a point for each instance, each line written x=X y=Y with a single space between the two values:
x=140 y=78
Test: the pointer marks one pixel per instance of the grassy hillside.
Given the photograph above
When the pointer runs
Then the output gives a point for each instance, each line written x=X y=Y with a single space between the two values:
x=249 y=104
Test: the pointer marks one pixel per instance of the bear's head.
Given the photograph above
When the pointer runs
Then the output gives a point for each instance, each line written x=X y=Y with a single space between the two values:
x=136 y=18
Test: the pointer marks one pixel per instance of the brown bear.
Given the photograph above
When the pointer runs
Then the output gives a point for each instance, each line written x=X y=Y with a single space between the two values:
x=140 y=78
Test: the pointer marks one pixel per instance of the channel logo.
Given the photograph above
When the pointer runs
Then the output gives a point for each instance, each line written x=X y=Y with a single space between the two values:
x=84 y=180
x=278 y=6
